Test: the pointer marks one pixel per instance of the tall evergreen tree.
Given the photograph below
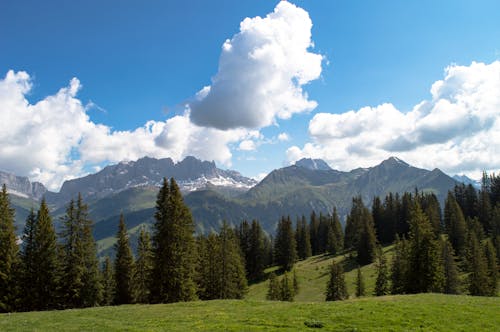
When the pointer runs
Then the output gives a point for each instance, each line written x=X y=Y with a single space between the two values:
x=143 y=268
x=303 y=238
x=452 y=281
x=432 y=209
x=124 y=266
x=28 y=265
x=360 y=283
x=477 y=266
x=336 y=288
x=367 y=242
x=335 y=242
x=233 y=282
x=455 y=224
x=9 y=254
x=399 y=268
x=492 y=264
x=354 y=223
x=425 y=268
x=256 y=261
x=208 y=270
x=286 y=288
x=314 y=235
x=45 y=258
x=485 y=209
x=379 y=220
x=108 y=282
x=174 y=257
x=285 y=247
x=382 y=281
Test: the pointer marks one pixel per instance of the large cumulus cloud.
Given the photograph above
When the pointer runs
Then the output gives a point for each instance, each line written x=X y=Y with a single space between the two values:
x=457 y=129
x=261 y=73
x=54 y=139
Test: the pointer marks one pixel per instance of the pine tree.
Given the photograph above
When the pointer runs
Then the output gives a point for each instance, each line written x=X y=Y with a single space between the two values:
x=286 y=289
x=9 y=254
x=45 y=258
x=455 y=224
x=285 y=247
x=354 y=223
x=28 y=264
x=335 y=238
x=491 y=259
x=367 y=242
x=233 y=282
x=124 y=266
x=174 y=258
x=303 y=239
x=425 y=268
x=208 y=270
x=452 y=281
x=477 y=266
x=313 y=232
x=485 y=209
x=108 y=282
x=432 y=209
x=91 y=291
x=360 y=283
x=336 y=288
x=273 y=291
x=399 y=268
x=143 y=268
x=382 y=281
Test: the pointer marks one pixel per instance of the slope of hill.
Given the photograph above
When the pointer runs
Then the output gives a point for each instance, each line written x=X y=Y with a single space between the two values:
x=423 y=312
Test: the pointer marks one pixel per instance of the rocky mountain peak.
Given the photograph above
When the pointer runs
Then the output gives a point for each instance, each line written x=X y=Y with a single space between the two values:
x=313 y=164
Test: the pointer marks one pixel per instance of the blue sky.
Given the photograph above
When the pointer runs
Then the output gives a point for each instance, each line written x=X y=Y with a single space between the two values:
x=145 y=61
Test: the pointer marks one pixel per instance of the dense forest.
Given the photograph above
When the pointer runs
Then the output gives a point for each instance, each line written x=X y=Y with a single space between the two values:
x=433 y=248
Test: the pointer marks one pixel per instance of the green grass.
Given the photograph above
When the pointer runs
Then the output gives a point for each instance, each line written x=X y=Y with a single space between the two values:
x=312 y=275
x=426 y=312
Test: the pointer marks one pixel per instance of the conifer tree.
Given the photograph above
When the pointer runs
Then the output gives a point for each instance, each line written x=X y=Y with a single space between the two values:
x=9 y=254
x=477 y=266
x=124 y=266
x=143 y=268
x=360 y=283
x=399 y=268
x=379 y=220
x=303 y=239
x=313 y=232
x=367 y=242
x=455 y=224
x=382 y=281
x=285 y=247
x=452 y=281
x=336 y=288
x=491 y=260
x=295 y=283
x=28 y=264
x=286 y=289
x=354 y=223
x=108 y=282
x=233 y=282
x=91 y=291
x=273 y=291
x=335 y=242
x=431 y=207
x=208 y=270
x=45 y=258
x=174 y=257
x=425 y=268
x=485 y=209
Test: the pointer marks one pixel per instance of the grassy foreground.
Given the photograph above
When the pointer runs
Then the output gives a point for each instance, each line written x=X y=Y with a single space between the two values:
x=426 y=312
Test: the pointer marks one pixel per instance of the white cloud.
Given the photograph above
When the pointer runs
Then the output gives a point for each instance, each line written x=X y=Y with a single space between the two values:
x=247 y=145
x=54 y=139
x=457 y=130
x=261 y=73
x=283 y=137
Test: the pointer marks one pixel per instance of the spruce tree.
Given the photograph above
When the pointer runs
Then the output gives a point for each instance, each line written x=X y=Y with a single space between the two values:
x=485 y=209
x=360 y=283
x=452 y=281
x=285 y=247
x=491 y=260
x=9 y=254
x=367 y=242
x=382 y=281
x=336 y=288
x=273 y=290
x=174 y=257
x=108 y=282
x=425 y=268
x=313 y=234
x=28 y=264
x=208 y=269
x=399 y=268
x=124 y=266
x=46 y=260
x=455 y=224
x=233 y=282
x=477 y=267
x=303 y=239
x=143 y=268
x=354 y=223
x=286 y=288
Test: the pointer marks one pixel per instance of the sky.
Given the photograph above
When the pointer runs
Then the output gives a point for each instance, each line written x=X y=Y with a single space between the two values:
x=252 y=85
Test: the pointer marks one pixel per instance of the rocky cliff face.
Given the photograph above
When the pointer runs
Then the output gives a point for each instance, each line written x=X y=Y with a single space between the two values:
x=21 y=186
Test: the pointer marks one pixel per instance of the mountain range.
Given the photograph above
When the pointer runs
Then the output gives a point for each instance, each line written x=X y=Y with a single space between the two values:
x=215 y=195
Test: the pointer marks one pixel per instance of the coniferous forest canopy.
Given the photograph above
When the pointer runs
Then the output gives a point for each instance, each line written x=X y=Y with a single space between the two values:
x=452 y=249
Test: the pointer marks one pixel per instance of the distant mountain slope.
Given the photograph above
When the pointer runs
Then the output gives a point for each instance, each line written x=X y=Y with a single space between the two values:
x=21 y=186
x=190 y=173
x=313 y=164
